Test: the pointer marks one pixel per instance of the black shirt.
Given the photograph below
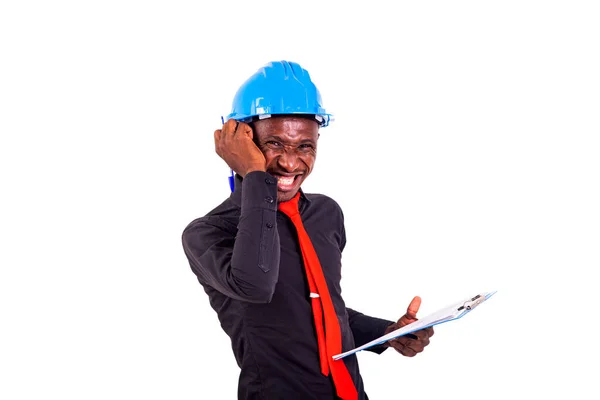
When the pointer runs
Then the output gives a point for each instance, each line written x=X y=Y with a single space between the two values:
x=246 y=255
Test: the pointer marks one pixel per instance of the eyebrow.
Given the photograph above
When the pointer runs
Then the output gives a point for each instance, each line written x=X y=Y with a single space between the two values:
x=280 y=139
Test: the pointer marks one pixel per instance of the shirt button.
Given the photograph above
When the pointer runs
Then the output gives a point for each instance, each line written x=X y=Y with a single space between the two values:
x=269 y=199
x=269 y=225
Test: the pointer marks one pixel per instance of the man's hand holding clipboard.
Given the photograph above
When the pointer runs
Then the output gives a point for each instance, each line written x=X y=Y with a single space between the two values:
x=447 y=314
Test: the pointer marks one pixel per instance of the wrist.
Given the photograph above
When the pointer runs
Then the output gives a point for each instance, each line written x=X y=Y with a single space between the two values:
x=252 y=169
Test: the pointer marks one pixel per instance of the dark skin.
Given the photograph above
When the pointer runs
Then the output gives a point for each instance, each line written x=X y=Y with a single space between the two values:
x=412 y=344
x=286 y=147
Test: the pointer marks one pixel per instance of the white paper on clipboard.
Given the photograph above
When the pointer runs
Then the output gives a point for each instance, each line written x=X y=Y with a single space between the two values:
x=450 y=313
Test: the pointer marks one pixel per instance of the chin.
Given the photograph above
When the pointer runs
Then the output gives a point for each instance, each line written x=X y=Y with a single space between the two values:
x=285 y=196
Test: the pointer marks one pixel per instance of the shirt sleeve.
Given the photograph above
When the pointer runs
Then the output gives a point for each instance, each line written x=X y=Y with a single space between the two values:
x=242 y=264
x=365 y=329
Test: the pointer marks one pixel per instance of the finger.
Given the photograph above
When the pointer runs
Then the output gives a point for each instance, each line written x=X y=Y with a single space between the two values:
x=234 y=128
x=413 y=349
x=411 y=338
x=245 y=129
x=420 y=334
x=397 y=345
x=229 y=128
x=402 y=341
x=411 y=312
x=406 y=320
x=217 y=136
x=409 y=352
x=413 y=307
x=417 y=345
x=404 y=350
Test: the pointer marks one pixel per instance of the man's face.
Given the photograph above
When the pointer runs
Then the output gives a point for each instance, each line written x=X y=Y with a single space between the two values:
x=290 y=148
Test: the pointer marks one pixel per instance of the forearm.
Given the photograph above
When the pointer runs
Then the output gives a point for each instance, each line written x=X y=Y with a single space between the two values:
x=256 y=252
x=243 y=263
x=366 y=328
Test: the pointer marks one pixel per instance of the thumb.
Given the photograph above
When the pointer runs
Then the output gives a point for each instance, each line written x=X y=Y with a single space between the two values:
x=411 y=312
x=413 y=307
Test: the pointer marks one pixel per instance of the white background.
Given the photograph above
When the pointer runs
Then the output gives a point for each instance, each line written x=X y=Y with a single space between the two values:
x=464 y=154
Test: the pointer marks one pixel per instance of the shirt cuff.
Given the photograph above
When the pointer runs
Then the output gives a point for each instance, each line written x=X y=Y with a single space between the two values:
x=381 y=325
x=259 y=190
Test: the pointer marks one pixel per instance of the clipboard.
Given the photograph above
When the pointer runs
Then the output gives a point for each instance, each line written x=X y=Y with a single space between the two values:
x=447 y=314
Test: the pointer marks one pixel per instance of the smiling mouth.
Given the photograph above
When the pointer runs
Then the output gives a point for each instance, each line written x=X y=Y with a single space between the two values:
x=286 y=183
x=287 y=180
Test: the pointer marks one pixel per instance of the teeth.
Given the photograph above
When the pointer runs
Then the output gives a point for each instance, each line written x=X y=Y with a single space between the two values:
x=286 y=180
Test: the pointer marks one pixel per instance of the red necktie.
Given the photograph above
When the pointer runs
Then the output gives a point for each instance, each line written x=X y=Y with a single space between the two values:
x=330 y=340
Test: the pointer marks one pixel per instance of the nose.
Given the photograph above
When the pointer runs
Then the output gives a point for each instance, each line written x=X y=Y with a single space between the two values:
x=288 y=161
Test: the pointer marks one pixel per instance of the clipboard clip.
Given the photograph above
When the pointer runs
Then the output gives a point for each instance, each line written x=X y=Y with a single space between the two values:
x=474 y=302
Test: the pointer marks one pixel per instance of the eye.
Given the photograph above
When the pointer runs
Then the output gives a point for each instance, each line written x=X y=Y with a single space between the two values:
x=306 y=146
x=273 y=143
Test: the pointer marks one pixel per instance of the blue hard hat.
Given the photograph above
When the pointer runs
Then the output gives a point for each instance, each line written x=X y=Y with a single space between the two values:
x=280 y=87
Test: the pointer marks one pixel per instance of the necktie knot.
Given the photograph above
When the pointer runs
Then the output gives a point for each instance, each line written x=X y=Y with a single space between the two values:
x=290 y=207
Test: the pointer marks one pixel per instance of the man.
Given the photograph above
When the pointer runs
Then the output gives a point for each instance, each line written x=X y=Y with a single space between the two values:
x=269 y=257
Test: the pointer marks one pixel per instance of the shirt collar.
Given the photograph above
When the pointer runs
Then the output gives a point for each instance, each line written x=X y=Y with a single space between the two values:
x=236 y=196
